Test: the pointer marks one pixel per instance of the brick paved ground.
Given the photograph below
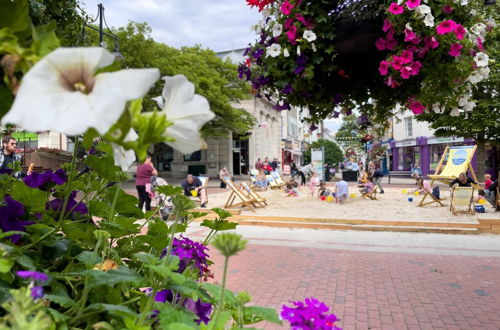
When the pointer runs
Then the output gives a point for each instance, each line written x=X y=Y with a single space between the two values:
x=374 y=290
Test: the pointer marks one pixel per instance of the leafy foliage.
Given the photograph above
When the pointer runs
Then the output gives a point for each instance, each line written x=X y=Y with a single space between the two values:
x=333 y=154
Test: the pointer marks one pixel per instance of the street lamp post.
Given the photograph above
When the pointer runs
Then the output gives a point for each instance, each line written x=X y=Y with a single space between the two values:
x=102 y=33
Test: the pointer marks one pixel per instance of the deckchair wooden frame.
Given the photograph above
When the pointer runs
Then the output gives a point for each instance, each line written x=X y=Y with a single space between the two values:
x=249 y=203
x=253 y=194
x=278 y=180
x=272 y=183
x=445 y=179
x=371 y=195
x=471 y=207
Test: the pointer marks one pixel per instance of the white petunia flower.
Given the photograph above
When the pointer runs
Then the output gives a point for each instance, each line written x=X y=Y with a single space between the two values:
x=484 y=72
x=277 y=29
x=400 y=2
x=473 y=12
x=273 y=50
x=478 y=28
x=313 y=46
x=61 y=92
x=464 y=2
x=408 y=26
x=298 y=50
x=491 y=23
x=429 y=20
x=188 y=112
x=286 y=53
x=436 y=107
x=309 y=35
x=475 y=77
x=481 y=59
x=469 y=106
x=455 y=112
x=266 y=12
x=462 y=101
x=124 y=158
x=423 y=9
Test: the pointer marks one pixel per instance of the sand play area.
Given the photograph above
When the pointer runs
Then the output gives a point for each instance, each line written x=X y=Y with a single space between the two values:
x=393 y=205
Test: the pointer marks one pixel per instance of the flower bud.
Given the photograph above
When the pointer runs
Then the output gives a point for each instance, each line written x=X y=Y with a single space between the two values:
x=229 y=244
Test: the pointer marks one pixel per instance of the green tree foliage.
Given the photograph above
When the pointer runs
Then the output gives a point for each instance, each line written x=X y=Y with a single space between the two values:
x=333 y=154
x=214 y=79
x=349 y=133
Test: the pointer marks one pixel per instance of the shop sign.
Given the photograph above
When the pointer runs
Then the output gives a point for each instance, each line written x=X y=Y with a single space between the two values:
x=286 y=144
x=296 y=147
x=442 y=140
x=406 y=143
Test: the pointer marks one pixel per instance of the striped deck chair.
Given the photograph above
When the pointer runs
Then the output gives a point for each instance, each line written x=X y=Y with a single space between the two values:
x=272 y=183
x=277 y=178
x=236 y=193
x=462 y=200
x=458 y=160
x=252 y=194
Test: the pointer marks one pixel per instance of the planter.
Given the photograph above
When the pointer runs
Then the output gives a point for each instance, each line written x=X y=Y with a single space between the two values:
x=47 y=160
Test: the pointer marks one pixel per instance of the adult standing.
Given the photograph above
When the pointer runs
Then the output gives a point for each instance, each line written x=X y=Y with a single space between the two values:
x=224 y=173
x=377 y=179
x=8 y=155
x=305 y=171
x=293 y=169
x=258 y=164
x=193 y=183
x=274 y=164
x=144 y=173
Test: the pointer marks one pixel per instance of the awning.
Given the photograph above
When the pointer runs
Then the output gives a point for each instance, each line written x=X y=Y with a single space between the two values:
x=25 y=136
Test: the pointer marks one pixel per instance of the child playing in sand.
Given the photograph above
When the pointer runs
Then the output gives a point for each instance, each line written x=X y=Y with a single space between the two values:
x=313 y=182
x=487 y=183
x=291 y=188
x=261 y=180
x=323 y=191
x=368 y=186
x=341 y=190
x=481 y=196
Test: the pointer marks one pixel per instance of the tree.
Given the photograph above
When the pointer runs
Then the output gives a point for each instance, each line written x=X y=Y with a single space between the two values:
x=333 y=154
x=349 y=133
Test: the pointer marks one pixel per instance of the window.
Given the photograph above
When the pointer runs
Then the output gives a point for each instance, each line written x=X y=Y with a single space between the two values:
x=194 y=157
x=409 y=126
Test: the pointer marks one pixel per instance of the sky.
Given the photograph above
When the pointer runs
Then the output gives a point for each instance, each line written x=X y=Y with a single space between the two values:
x=219 y=25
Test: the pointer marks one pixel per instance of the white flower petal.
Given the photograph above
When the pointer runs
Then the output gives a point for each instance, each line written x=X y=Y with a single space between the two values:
x=309 y=35
x=124 y=158
x=47 y=100
x=286 y=53
x=188 y=112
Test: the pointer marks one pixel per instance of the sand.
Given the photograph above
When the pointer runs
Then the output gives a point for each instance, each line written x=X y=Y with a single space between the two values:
x=393 y=205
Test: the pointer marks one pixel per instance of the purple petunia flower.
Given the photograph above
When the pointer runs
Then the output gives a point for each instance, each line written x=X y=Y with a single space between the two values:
x=280 y=107
x=258 y=53
x=37 y=292
x=191 y=254
x=9 y=217
x=46 y=180
x=76 y=207
x=7 y=171
x=301 y=62
x=310 y=314
x=313 y=127
x=34 y=275
x=287 y=89
x=337 y=98
x=198 y=307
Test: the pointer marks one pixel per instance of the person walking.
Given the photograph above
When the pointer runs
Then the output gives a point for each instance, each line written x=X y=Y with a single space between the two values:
x=293 y=169
x=377 y=180
x=144 y=173
x=8 y=156
x=224 y=173
x=303 y=171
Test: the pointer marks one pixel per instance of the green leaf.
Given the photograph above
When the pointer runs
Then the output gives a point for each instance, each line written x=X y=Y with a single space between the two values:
x=104 y=166
x=170 y=315
x=89 y=258
x=15 y=15
x=254 y=314
x=79 y=231
x=214 y=291
x=6 y=100
x=5 y=265
x=224 y=317
x=98 y=208
x=121 y=226
x=88 y=138
x=125 y=204
x=219 y=225
x=25 y=261
x=117 y=310
x=110 y=278
x=179 y=326
x=34 y=199
x=63 y=301
x=223 y=214
x=169 y=190
x=45 y=39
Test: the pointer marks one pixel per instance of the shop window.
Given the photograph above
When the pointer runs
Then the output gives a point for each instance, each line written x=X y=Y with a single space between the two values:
x=194 y=157
x=409 y=126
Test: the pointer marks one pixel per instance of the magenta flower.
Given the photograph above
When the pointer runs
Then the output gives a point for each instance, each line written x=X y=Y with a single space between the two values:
x=391 y=44
x=415 y=68
x=409 y=35
x=387 y=25
x=33 y=275
x=431 y=42
x=383 y=68
x=459 y=31
x=406 y=56
x=479 y=44
x=405 y=72
x=397 y=62
x=310 y=314
x=455 y=49
x=415 y=106
x=288 y=23
x=291 y=34
x=191 y=254
x=411 y=4
x=380 y=44
x=304 y=21
x=391 y=82
x=447 y=9
x=446 y=27
x=286 y=8
x=395 y=9
x=390 y=34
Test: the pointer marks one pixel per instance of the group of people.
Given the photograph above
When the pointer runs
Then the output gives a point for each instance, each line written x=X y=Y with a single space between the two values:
x=267 y=166
x=370 y=179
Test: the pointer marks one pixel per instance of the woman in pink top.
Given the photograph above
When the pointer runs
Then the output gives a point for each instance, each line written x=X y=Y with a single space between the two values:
x=143 y=177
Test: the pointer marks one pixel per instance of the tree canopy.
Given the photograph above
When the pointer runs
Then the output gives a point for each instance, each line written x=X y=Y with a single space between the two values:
x=333 y=154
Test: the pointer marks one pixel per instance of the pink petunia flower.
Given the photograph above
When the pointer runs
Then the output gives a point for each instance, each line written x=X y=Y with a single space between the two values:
x=288 y=23
x=380 y=44
x=447 y=9
x=455 y=49
x=292 y=34
x=390 y=34
x=405 y=72
x=459 y=31
x=395 y=9
x=383 y=68
x=409 y=35
x=416 y=40
x=415 y=106
x=304 y=21
x=411 y=4
x=422 y=51
x=286 y=8
x=415 y=68
x=391 y=44
x=412 y=48
x=431 y=42
x=397 y=62
x=406 y=56
x=392 y=82
x=479 y=44
x=446 y=27
x=387 y=25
